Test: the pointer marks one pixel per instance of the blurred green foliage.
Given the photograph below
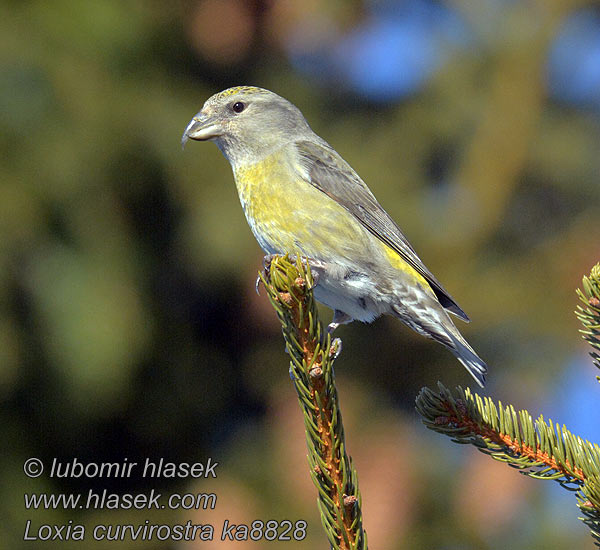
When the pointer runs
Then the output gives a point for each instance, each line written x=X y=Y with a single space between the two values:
x=128 y=321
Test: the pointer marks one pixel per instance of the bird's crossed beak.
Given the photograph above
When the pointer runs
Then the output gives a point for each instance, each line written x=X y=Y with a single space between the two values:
x=202 y=127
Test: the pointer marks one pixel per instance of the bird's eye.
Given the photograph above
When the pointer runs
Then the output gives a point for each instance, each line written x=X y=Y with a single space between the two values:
x=238 y=107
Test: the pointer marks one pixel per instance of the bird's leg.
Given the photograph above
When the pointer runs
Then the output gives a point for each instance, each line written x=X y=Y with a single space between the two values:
x=339 y=318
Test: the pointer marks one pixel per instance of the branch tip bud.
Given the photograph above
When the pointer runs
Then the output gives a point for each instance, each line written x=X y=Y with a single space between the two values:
x=286 y=298
x=316 y=373
x=299 y=282
x=349 y=501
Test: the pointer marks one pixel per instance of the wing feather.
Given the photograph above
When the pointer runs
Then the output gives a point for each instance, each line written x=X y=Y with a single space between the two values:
x=332 y=175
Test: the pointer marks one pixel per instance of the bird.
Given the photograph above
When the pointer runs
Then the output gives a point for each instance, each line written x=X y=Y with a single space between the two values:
x=299 y=194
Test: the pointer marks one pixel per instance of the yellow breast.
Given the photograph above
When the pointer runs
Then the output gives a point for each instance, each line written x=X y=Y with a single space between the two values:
x=286 y=213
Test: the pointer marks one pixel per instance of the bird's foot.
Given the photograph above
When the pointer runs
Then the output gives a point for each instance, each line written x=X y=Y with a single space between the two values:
x=339 y=318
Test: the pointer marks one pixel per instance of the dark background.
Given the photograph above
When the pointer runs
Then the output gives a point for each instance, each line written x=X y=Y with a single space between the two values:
x=129 y=325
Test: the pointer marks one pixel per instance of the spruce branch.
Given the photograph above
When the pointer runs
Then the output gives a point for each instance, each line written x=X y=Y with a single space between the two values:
x=540 y=448
x=590 y=315
x=290 y=285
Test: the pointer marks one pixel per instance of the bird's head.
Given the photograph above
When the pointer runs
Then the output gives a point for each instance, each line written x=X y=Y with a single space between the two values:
x=247 y=123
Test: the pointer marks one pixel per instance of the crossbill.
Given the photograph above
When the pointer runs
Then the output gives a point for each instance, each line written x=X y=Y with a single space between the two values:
x=299 y=194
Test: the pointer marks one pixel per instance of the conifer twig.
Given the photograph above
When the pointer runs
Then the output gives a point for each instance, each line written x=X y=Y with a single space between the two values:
x=539 y=449
x=312 y=353
x=589 y=316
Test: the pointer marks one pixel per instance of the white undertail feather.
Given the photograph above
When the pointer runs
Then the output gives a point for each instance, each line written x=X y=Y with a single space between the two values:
x=349 y=291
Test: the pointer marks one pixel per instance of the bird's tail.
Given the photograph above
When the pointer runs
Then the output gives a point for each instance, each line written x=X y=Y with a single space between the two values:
x=467 y=356
x=433 y=321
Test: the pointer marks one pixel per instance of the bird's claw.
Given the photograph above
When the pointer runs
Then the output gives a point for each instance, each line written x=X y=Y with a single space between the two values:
x=257 y=284
x=266 y=271
x=339 y=318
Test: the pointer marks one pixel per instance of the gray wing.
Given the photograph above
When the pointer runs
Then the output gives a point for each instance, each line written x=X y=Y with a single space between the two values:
x=332 y=175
